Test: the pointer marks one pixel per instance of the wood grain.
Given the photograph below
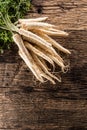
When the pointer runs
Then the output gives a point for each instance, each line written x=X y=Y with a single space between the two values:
x=67 y=14
x=25 y=104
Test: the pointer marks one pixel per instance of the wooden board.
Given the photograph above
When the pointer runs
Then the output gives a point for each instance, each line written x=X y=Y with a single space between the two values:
x=26 y=104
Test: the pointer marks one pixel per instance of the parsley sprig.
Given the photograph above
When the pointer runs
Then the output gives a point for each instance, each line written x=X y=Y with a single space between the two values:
x=15 y=9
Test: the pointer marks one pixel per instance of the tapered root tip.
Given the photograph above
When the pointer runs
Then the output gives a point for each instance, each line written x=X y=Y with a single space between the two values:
x=68 y=52
x=59 y=80
x=65 y=34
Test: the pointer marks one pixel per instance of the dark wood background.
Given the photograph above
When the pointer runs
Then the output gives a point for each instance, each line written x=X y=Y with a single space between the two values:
x=26 y=104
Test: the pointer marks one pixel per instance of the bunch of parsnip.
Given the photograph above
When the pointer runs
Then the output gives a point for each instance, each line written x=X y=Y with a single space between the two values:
x=32 y=36
x=36 y=47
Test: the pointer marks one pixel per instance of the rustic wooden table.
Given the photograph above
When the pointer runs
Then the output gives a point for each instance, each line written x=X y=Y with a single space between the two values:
x=27 y=105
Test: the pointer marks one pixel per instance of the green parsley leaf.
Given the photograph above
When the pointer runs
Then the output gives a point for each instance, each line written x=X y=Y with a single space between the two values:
x=15 y=9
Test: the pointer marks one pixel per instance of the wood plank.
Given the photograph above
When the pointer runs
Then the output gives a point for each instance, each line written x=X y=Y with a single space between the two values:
x=67 y=14
x=41 y=111
x=25 y=104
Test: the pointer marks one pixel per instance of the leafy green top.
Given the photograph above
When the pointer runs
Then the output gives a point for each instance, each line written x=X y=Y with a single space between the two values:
x=15 y=9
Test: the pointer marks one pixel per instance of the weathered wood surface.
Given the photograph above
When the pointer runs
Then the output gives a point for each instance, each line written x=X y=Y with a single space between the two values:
x=27 y=105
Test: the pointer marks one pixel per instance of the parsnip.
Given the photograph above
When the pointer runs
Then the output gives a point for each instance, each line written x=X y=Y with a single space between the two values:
x=44 y=63
x=25 y=55
x=33 y=25
x=32 y=20
x=57 y=60
x=34 y=38
x=58 y=31
x=42 y=72
x=45 y=68
x=31 y=37
x=50 y=40
x=32 y=68
x=37 y=52
x=54 y=33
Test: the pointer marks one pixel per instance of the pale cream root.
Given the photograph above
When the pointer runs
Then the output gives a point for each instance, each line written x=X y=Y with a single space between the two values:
x=44 y=67
x=33 y=25
x=31 y=37
x=53 y=57
x=43 y=74
x=32 y=20
x=52 y=41
x=25 y=55
x=37 y=52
